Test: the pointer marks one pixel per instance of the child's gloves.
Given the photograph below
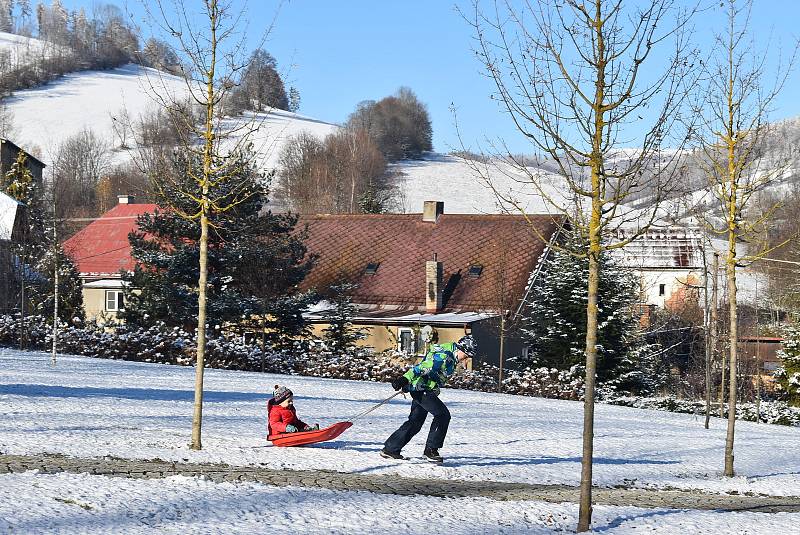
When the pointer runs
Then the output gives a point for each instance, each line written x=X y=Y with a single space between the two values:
x=400 y=383
x=291 y=429
x=314 y=427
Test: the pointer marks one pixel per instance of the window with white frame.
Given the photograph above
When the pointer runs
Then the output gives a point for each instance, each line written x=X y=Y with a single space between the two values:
x=406 y=342
x=113 y=300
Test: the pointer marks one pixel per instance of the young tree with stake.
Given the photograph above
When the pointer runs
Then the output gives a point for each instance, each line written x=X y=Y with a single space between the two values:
x=574 y=77
x=734 y=127
x=212 y=53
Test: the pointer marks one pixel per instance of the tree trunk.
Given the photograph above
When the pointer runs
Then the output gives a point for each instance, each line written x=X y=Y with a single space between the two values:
x=585 y=510
x=732 y=337
x=208 y=154
x=502 y=349
x=197 y=419
x=714 y=317
x=55 y=293
x=707 y=321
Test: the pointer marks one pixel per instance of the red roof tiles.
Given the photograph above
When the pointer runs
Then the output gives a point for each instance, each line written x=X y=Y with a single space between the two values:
x=102 y=247
x=504 y=245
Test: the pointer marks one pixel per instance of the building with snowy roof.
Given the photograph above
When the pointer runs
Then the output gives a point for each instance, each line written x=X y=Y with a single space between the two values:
x=669 y=261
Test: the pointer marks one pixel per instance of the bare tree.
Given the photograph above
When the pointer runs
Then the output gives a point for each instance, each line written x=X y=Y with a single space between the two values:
x=79 y=164
x=212 y=182
x=344 y=173
x=734 y=125
x=574 y=77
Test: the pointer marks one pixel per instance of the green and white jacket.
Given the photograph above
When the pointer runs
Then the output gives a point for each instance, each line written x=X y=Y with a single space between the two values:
x=434 y=370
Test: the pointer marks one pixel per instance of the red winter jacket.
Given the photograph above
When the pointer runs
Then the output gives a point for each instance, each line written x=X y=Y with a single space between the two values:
x=280 y=417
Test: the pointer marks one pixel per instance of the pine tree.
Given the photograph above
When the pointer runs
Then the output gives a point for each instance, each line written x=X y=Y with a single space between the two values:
x=254 y=258
x=70 y=287
x=38 y=251
x=554 y=316
x=788 y=375
x=6 y=16
x=341 y=334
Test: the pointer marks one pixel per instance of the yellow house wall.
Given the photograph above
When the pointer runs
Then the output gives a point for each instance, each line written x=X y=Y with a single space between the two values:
x=94 y=303
x=384 y=337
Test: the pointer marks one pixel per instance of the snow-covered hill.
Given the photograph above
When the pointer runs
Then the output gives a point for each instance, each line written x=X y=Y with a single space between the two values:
x=46 y=116
x=463 y=187
x=18 y=49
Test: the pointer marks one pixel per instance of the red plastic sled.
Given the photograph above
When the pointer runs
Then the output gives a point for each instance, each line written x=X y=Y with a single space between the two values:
x=303 y=438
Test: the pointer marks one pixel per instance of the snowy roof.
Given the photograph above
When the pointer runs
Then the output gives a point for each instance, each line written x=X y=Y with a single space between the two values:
x=9 y=209
x=109 y=284
x=102 y=247
x=482 y=256
x=395 y=315
x=664 y=248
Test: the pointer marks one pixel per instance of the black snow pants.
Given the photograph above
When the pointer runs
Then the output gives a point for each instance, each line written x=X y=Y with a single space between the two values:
x=424 y=402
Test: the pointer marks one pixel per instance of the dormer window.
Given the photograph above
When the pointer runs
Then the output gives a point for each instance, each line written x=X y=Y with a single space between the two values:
x=475 y=270
x=372 y=268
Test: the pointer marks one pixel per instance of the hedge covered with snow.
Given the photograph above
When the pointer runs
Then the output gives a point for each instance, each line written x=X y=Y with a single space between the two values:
x=770 y=412
x=163 y=345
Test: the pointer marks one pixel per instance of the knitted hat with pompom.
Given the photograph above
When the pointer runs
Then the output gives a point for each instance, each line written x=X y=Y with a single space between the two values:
x=281 y=394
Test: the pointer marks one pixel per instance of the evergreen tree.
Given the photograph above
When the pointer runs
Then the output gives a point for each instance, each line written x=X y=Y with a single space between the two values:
x=254 y=258
x=70 y=287
x=788 y=375
x=38 y=252
x=19 y=183
x=341 y=334
x=6 y=16
x=554 y=317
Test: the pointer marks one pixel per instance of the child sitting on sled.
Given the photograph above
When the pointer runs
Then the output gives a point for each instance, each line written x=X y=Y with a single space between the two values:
x=282 y=415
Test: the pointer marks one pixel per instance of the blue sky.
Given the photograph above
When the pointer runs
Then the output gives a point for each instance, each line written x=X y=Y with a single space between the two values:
x=338 y=53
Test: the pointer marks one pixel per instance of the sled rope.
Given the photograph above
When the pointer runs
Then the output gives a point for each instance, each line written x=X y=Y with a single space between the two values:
x=351 y=420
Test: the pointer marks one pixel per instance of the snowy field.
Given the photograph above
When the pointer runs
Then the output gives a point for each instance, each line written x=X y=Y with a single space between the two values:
x=92 y=504
x=87 y=407
x=90 y=407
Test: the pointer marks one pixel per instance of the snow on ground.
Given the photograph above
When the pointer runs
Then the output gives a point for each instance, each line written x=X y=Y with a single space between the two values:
x=66 y=503
x=89 y=407
x=46 y=116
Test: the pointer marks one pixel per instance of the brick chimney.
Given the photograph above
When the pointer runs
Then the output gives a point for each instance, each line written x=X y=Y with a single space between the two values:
x=431 y=211
x=434 y=273
x=125 y=199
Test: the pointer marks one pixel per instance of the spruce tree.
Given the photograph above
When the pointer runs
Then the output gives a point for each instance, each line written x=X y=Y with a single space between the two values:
x=254 y=259
x=788 y=375
x=553 y=324
x=341 y=334
x=38 y=253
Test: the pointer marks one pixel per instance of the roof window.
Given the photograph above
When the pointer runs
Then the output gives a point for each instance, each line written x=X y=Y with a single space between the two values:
x=475 y=270
x=372 y=268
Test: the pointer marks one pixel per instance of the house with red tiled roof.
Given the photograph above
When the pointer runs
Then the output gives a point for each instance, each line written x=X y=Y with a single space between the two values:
x=427 y=275
x=101 y=251
x=417 y=277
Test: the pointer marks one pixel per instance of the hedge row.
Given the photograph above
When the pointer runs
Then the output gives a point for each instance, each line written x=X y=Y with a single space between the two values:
x=159 y=344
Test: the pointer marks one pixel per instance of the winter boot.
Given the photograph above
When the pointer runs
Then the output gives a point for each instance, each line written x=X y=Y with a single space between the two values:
x=392 y=455
x=432 y=455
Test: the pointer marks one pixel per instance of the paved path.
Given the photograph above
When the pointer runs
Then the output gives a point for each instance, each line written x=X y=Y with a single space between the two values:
x=385 y=484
